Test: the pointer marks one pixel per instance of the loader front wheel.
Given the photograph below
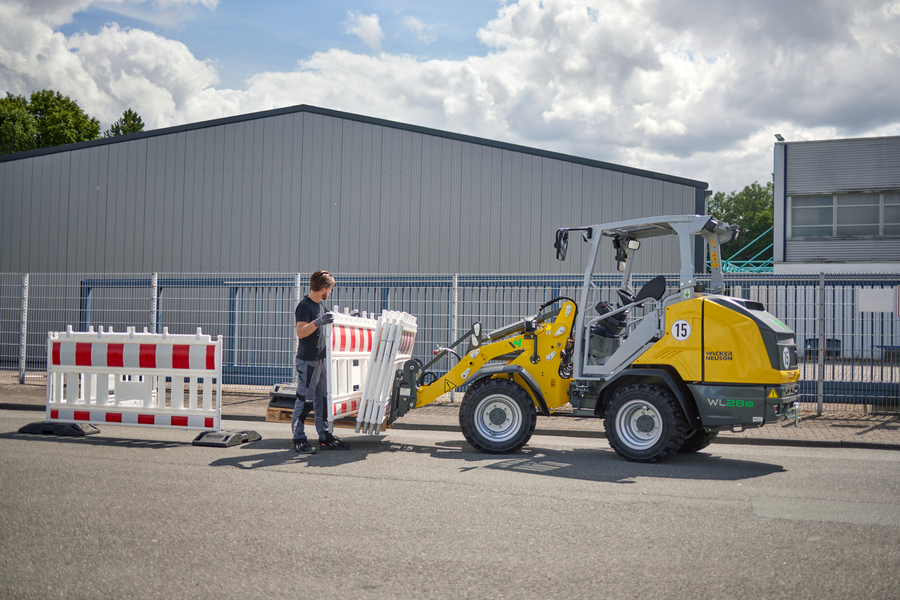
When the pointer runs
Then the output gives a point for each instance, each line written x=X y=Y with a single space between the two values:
x=644 y=423
x=497 y=416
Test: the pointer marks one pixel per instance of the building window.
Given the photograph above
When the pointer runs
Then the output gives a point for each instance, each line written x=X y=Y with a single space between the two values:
x=891 y=214
x=845 y=215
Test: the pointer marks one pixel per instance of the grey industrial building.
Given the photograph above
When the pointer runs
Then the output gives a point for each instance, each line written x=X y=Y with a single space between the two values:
x=294 y=189
x=218 y=225
x=837 y=206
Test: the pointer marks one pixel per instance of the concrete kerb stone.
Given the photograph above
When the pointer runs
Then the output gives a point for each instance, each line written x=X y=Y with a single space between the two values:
x=883 y=432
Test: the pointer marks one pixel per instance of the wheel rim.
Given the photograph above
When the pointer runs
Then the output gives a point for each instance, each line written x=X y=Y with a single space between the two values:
x=498 y=418
x=639 y=424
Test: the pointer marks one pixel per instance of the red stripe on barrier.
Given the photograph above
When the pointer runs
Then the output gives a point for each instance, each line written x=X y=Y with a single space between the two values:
x=209 y=423
x=353 y=339
x=113 y=417
x=179 y=421
x=146 y=420
x=82 y=415
x=56 y=347
x=83 y=354
x=211 y=358
x=369 y=343
x=115 y=355
x=181 y=357
x=147 y=355
x=343 y=333
x=54 y=414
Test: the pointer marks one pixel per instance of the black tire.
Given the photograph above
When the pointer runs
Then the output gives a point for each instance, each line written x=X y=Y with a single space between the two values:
x=644 y=423
x=497 y=416
x=697 y=441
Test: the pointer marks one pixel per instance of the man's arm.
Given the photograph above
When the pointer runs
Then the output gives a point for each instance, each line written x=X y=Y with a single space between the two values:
x=304 y=329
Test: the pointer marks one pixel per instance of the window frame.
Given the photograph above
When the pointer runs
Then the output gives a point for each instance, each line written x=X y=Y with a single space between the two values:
x=834 y=225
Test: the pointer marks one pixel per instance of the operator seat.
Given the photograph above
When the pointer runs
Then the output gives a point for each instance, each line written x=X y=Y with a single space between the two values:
x=655 y=289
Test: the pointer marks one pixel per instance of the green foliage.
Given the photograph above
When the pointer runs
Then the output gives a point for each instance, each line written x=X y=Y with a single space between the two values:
x=752 y=209
x=47 y=119
x=129 y=122
x=18 y=128
x=60 y=120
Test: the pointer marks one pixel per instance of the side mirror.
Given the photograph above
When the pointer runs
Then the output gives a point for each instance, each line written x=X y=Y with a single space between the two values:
x=562 y=243
x=621 y=265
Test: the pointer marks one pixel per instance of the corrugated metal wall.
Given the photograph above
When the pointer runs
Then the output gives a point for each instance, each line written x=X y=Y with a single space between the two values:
x=841 y=250
x=303 y=188
x=839 y=166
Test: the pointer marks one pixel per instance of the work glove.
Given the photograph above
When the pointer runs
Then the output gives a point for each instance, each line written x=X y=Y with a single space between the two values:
x=324 y=319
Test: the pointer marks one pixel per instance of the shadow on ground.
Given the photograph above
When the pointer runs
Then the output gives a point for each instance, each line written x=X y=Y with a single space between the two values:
x=600 y=464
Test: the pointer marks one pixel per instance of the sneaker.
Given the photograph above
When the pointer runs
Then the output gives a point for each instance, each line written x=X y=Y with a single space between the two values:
x=304 y=448
x=334 y=444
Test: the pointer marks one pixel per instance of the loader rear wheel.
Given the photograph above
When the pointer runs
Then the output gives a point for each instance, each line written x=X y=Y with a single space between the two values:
x=497 y=416
x=698 y=441
x=644 y=423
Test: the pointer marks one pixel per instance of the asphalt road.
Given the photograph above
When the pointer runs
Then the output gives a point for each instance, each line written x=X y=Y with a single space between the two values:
x=141 y=513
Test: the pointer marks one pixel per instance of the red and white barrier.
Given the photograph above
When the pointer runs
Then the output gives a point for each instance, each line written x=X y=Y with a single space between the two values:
x=352 y=340
x=395 y=334
x=120 y=378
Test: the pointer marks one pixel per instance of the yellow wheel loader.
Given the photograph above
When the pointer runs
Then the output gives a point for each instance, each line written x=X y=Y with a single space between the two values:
x=697 y=362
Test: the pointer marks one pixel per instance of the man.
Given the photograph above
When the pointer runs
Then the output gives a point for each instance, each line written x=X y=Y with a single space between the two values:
x=311 y=316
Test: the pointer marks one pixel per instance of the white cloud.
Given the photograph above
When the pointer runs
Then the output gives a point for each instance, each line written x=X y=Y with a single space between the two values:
x=157 y=77
x=419 y=28
x=108 y=71
x=686 y=87
x=365 y=27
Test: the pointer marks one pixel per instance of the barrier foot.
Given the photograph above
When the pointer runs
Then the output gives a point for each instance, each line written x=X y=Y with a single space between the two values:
x=69 y=429
x=224 y=439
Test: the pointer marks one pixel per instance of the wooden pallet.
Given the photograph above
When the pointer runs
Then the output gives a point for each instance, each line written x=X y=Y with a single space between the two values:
x=276 y=414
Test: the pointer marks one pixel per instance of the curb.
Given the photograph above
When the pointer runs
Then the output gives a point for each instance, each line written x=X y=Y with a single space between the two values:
x=568 y=432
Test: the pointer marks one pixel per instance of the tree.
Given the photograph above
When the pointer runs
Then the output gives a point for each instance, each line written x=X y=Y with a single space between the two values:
x=18 y=128
x=60 y=120
x=47 y=119
x=752 y=209
x=129 y=122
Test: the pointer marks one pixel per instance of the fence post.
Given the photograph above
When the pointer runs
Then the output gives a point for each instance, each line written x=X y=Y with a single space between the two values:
x=820 y=370
x=23 y=348
x=154 y=301
x=298 y=289
x=454 y=318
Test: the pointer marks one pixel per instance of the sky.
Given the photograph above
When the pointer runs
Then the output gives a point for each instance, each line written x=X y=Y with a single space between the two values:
x=692 y=88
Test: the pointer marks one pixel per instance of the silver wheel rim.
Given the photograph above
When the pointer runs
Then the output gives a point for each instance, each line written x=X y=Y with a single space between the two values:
x=639 y=424
x=498 y=418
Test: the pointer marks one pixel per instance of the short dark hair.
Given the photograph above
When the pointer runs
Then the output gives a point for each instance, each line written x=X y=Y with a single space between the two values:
x=321 y=280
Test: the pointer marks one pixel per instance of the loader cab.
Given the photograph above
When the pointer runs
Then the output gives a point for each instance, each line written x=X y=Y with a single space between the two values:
x=604 y=329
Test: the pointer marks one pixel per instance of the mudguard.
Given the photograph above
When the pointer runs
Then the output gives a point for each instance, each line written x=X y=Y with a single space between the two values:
x=660 y=375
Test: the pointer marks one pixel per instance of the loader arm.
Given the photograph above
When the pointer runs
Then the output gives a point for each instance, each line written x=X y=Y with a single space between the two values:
x=531 y=351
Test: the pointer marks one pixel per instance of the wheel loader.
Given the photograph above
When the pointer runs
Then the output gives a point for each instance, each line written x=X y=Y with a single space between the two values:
x=697 y=362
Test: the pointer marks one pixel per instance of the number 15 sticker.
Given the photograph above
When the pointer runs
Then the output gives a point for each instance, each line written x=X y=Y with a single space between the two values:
x=681 y=330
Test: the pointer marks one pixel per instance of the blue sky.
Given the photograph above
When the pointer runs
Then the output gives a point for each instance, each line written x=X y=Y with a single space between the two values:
x=245 y=38
x=693 y=88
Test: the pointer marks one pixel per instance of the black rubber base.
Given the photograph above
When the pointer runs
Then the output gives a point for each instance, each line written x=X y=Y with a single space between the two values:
x=224 y=439
x=70 y=429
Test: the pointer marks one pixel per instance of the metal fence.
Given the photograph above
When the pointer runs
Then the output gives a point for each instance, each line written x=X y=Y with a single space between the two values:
x=857 y=368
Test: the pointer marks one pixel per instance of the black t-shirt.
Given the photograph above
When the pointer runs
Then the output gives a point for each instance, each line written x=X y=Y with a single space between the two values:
x=312 y=347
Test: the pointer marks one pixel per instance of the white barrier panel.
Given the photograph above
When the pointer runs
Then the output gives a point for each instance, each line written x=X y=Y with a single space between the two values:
x=348 y=359
x=395 y=335
x=121 y=378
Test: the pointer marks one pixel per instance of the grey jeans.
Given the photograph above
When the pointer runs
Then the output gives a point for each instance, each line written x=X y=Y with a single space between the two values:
x=312 y=389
